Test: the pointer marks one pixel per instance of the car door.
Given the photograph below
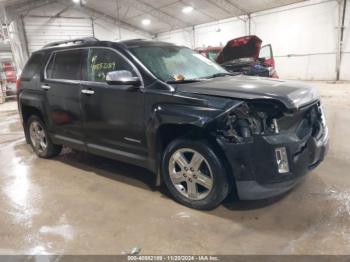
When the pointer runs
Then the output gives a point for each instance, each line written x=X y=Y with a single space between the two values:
x=62 y=88
x=113 y=114
x=267 y=54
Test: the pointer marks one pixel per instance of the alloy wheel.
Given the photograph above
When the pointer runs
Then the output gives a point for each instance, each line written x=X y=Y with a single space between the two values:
x=190 y=173
x=37 y=136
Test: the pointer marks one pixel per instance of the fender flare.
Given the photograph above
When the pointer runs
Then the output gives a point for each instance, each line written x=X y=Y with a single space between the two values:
x=33 y=100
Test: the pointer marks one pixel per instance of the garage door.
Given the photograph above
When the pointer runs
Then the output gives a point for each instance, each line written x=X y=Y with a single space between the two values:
x=41 y=31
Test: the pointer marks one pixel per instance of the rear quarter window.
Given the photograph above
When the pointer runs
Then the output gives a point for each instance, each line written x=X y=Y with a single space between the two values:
x=65 y=65
x=33 y=66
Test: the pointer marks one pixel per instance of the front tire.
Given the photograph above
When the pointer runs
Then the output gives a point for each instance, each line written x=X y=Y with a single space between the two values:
x=39 y=138
x=194 y=175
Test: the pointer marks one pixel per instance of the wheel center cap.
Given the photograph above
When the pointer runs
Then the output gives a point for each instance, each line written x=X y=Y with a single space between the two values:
x=189 y=174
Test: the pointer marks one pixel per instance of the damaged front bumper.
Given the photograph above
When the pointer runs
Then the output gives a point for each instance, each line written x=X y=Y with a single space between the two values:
x=255 y=165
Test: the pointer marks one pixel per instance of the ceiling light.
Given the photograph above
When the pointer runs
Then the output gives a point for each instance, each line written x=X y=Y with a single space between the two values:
x=187 y=9
x=146 y=22
x=76 y=1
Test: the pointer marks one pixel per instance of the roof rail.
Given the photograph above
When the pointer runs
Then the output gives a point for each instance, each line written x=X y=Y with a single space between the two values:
x=73 y=41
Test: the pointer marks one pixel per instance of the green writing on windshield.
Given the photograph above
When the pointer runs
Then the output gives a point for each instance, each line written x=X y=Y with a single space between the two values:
x=103 y=67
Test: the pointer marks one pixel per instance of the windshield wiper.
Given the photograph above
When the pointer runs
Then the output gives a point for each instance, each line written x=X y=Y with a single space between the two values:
x=182 y=81
x=220 y=75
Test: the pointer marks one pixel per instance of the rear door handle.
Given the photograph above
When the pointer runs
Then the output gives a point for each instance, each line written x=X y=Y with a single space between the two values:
x=88 y=91
x=46 y=87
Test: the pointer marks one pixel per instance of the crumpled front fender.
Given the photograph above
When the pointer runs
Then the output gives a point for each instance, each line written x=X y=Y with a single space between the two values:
x=198 y=116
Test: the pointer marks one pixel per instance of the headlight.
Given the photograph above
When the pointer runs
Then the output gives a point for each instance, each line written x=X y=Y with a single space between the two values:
x=249 y=119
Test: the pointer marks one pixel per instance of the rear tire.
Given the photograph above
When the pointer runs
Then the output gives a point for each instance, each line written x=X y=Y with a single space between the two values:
x=194 y=175
x=40 y=139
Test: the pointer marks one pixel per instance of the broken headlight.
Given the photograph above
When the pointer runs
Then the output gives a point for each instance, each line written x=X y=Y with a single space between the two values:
x=249 y=119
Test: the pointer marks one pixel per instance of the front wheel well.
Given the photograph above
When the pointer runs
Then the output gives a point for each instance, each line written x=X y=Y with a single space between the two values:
x=169 y=132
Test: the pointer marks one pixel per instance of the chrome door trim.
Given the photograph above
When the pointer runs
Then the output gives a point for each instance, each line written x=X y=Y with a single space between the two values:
x=88 y=48
x=87 y=91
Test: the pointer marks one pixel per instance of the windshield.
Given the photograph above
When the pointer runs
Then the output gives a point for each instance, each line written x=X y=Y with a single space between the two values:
x=175 y=63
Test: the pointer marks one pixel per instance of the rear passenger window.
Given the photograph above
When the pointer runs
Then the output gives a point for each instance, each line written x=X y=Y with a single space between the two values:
x=102 y=61
x=33 y=66
x=65 y=65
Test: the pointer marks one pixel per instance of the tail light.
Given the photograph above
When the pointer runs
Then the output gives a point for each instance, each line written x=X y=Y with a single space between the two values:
x=18 y=84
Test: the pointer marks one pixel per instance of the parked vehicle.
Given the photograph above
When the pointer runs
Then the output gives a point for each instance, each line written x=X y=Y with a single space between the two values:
x=244 y=55
x=210 y=52
x=10 y=71
x=171 y=110
x=8 y=79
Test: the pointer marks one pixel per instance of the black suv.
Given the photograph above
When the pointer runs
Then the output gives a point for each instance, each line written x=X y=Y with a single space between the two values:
x=167 y=108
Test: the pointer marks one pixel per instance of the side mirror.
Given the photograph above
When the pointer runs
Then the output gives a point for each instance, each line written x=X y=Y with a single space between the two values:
x=122 y=77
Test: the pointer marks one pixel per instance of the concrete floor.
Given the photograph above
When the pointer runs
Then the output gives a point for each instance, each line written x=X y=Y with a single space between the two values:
x=83 y=204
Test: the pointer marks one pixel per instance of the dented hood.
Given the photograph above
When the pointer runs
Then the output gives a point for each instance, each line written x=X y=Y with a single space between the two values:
x=242 y=47
x=292 y=94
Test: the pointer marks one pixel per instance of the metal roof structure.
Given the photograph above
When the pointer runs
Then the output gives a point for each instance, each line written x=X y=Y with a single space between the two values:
x=162 y=15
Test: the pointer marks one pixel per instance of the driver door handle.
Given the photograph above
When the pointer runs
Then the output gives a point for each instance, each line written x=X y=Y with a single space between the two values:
x=46 y=87
x=88 y=91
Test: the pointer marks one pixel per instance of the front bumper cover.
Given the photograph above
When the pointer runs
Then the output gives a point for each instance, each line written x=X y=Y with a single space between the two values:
x=255 y=168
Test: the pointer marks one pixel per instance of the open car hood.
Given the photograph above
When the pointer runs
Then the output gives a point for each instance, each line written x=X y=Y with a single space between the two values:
x=242 y=47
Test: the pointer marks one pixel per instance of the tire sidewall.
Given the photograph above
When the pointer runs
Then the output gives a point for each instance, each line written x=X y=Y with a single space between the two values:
x=43 y=154
x=219 y=175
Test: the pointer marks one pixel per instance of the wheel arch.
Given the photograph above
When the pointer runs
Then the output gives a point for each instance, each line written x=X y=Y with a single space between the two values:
x=171 y=121
x=30 y=103
x=169 y=132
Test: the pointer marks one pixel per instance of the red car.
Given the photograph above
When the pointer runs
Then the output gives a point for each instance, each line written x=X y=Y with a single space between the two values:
x=244 y=55
x=8 y=78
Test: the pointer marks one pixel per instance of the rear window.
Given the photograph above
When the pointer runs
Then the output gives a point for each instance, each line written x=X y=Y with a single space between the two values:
x=33 y=66
x=65 y=65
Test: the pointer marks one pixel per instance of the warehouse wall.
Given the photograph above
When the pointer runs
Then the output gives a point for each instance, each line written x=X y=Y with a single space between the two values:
x=345 y=63
x=40 y=31
x=219 y=33
x=209 y=34
x=179 y=37
x=41 y=28
x=44 y=29
x=303 y=37
x=18 y=49
x=107 y=30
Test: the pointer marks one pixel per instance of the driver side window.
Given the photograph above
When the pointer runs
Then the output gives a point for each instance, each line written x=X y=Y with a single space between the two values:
x=102 y=61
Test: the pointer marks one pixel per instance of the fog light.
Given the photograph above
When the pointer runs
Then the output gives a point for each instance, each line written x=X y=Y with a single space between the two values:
x=282 y=160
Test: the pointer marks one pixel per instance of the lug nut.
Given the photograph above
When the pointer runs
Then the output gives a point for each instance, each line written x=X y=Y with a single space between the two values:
x=185 y=175
x=190 y=179
x=186 y=168
x=194 y=176
x=192 y=169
